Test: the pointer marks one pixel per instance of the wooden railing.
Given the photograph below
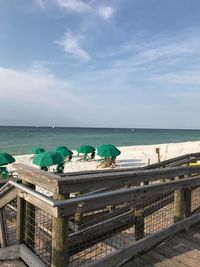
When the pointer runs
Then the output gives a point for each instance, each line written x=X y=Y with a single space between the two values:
x=99 y=218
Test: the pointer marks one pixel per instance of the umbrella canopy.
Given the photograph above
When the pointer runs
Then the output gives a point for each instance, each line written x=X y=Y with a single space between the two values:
x=64 y=152
x=85 y=149
x=37 y=150
x=6 y=158
x=61 y=148
x=109 y=151
x=102 y=147
x=47 y=159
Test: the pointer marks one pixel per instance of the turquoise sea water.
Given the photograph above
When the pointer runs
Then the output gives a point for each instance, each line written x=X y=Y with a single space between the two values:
x=20 y=140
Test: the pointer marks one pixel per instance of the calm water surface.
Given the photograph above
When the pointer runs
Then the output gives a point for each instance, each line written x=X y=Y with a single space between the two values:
x=20 y=140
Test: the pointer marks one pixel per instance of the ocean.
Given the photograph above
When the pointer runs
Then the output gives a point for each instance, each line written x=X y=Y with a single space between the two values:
x=20 y=140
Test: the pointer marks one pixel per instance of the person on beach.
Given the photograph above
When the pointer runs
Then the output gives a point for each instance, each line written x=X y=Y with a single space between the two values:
x=45 y=168
x=93 y=155
x=60 y=168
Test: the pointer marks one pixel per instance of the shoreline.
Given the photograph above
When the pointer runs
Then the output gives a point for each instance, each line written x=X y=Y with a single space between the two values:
x=131 y=156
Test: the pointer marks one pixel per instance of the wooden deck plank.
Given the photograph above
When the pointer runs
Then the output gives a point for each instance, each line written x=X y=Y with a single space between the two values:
x=182 y=250
x=16 y=263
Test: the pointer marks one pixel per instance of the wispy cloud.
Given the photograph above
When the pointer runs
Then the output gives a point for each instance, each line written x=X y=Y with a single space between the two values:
x=44 y=98
x=71 y=45
x=74 y=5
x=186 y=78
x=105 y=12
x=90 y=7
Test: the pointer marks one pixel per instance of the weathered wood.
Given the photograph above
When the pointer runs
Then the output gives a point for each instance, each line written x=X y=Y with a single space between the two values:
x=30 y=258
x=139 y=223
x=164 y=163
x=3 y=240
x=78 y=215
x=86 y=182
x=59 y=254
x=187 y=202
x=137 y=195
x=178 y=205
x=158 y=153
x=39 y=203
x=29 y=220
x=8 y=196
x=4 y=189
x=104 y=217
x=19 y=223
x=181 y=250
x=37 y=177
x=145 y=244
x=86 y=238
x=10 y=253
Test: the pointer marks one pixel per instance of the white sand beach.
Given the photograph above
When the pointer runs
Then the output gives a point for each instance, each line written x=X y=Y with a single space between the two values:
x=131 y=156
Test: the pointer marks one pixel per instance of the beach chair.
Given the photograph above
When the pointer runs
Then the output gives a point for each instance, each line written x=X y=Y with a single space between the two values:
x=4 y=173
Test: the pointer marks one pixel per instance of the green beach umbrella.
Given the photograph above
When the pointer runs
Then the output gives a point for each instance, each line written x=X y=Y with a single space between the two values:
x=6 y=158
x=47 y=159
x=64 y=152
x=102 y=147
x=109 y=151
x=85 y=149
x=37 y=150
x=61 y=148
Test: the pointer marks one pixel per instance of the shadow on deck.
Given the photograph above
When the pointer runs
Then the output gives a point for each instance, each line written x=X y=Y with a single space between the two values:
x=181 y=250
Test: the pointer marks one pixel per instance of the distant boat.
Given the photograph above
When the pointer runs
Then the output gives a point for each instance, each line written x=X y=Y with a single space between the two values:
x=132 y=129
x=53 y=127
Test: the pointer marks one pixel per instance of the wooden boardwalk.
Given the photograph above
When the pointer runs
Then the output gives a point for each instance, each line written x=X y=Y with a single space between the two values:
x=183 y=250
x=13 y=263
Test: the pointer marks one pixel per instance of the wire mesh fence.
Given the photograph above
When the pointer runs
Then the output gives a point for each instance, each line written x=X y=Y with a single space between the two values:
x=118 y=227
x=195 y=200
x=97 y=233
x=37 y=232
x=9 y=214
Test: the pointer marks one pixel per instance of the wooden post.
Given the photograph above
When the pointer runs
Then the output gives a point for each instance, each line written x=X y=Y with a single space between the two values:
x=139 y=223
x=29 y=221
x=78 y=215
x=144 y=183
x=158 y=153
x=187 y=202
x=179 y=204
x=59 y=255
x=3 y=241
x=20 y=215
x=78 y=218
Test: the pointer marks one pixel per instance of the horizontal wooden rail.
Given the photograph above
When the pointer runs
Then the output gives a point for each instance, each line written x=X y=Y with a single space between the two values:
x=178 y=160
x=47 y=180
x=137 y=195
x=96 y=181
x=8 y=196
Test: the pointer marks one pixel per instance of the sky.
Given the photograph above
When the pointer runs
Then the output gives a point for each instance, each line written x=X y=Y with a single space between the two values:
x=100 y=63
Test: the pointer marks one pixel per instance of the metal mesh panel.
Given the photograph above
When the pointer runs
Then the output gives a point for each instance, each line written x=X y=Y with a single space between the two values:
x=118 y=227
x=195 y=200
x=37 y=232
x=102 y=235
x=160 y=210
x=9 y=216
